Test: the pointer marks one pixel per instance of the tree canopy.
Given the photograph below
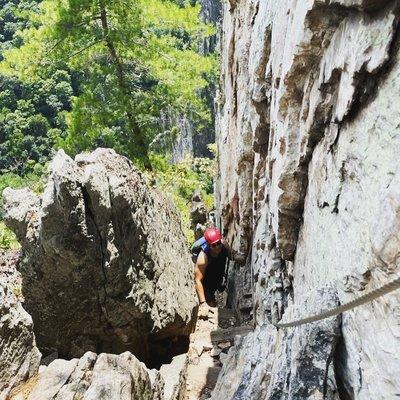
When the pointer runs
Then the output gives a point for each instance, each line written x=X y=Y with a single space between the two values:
x=112 y=68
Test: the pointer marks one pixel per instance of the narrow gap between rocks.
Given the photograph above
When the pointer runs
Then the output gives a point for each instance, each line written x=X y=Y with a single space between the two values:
x=160 y=351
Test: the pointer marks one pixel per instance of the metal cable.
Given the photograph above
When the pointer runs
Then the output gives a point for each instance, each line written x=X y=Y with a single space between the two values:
x=374 y=294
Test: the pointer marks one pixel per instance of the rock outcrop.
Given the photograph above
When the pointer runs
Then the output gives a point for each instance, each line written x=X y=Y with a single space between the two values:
x=309 y=189
x=199 y=215
x=19 y=356
x=292 y=364
x=93 y=377
x=105 y=265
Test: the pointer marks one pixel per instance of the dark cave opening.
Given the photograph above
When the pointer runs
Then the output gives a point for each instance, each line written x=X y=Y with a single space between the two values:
x=154 y=352
x=162 y=351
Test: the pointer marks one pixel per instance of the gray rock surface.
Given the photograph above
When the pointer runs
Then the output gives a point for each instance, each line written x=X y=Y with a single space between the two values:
x=19 y=356
x=308 y=187
x=93 y=377
x=293 y=364
x=105 y=263
x=173 y=376
x=199 y=215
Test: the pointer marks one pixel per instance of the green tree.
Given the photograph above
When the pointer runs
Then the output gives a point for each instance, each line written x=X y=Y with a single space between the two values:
x=31 y=119
x=135 y=57
x=31 y=110
x=12 y=20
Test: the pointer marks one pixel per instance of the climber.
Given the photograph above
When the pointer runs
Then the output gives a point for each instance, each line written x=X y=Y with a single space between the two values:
x=211 y=253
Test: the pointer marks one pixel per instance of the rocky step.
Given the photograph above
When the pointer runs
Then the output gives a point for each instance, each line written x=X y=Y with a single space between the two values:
x=226 y=318
x=173 y=375
x=220 y=335
x=213 y=337
x=217 y=318
x=201 y=381
x=207 y=352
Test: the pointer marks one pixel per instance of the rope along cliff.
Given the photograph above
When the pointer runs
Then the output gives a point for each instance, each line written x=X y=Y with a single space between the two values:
x=374 y=294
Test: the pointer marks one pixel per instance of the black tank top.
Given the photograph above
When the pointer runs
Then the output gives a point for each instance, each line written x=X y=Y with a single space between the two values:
x=215 y=270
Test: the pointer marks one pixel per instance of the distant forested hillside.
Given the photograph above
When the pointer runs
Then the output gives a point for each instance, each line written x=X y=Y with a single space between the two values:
x=31 y=119
x=84 y=74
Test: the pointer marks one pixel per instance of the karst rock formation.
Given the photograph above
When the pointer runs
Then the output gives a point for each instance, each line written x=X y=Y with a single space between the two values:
x=105 y=265
x=19 y=356
x=309 y=195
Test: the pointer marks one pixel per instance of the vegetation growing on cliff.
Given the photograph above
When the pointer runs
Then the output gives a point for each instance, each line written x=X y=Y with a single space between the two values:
x=181 y=180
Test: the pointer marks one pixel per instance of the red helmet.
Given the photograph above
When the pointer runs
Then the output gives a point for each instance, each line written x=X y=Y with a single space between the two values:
x=212 y=235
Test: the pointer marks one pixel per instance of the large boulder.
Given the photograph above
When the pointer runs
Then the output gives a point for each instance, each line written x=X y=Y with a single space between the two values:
x=93 y=377
x=105 y=263
x=19 y=356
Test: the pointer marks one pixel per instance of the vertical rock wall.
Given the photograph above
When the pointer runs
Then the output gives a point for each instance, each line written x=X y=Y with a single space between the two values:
x=308 y=191
x=19 y=356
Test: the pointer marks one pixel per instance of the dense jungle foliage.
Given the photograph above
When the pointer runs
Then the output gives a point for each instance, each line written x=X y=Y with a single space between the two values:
x=81 y=74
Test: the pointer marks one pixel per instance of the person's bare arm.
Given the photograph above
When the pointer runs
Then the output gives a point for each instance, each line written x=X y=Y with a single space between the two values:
x=199 y=272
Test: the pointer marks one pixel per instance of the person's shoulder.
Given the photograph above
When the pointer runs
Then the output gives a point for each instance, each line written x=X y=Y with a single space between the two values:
x=202 y=258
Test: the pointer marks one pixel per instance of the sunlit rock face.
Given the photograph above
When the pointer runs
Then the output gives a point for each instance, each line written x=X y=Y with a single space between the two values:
x=94 y=377
x=309 y=185
x=105 y=264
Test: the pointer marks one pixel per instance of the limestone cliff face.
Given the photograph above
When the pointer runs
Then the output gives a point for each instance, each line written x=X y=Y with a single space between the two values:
x=309 y=193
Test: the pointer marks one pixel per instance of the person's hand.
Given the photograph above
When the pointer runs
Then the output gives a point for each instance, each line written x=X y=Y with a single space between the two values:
x=203 y=310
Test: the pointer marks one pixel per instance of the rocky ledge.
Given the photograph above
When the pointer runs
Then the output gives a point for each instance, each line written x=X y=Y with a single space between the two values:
x=19 y=356
x=93 y=377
